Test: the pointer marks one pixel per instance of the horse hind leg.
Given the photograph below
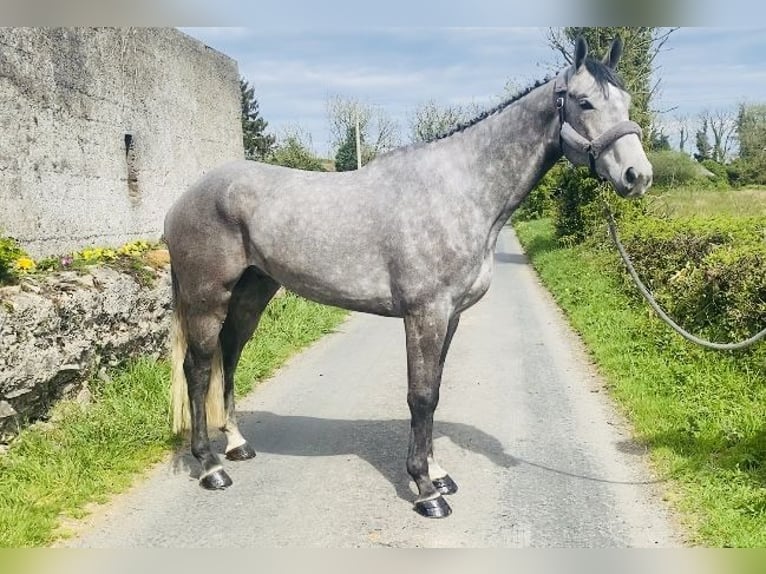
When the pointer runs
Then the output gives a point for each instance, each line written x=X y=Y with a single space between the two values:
x=201 y=295
x=200 y=363
x=249 y=298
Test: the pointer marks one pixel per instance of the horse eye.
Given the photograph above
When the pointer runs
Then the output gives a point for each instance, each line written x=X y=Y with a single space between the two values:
x=585 y=104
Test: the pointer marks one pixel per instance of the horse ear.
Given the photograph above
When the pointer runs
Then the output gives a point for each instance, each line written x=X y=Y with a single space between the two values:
x=581 y=51
x=615 y=52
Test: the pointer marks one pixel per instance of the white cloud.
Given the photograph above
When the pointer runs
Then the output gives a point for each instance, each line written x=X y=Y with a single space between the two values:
x=295 y=71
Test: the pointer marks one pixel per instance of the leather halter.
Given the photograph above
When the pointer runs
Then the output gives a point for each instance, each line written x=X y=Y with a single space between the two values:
x=571 y=137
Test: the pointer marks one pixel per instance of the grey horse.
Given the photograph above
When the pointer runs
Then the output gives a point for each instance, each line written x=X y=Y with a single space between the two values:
x=412 y=234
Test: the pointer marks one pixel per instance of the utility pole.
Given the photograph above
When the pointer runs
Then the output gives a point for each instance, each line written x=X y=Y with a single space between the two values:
x=358 y=144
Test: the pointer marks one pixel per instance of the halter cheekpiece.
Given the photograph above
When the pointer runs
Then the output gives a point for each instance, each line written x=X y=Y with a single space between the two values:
x=571 y=137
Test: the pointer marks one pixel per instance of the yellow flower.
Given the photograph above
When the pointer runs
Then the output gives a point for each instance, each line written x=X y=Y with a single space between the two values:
x=134 y=249
x=25 y=264
x=108 y=254
x=89 y=254
x=96 y=254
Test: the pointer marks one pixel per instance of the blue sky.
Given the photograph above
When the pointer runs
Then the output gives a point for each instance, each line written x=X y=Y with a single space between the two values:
x=295 y=71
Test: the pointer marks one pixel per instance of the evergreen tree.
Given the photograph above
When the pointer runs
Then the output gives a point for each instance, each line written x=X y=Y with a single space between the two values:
x=658 y=141
x=704 y=150
x=258 y=144
x=345 y=158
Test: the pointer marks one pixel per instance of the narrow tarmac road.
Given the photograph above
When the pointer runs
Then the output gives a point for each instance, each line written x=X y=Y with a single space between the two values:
x=524 y=428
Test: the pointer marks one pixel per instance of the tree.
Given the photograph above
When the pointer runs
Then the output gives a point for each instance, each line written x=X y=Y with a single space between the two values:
x=258 y=144
x=682 y=121
x=751 y=133
x=704 y=151
x=641 y=46
x=577 y=215
x=345 y=158
x=295 y=150
x=723 y=125
x=379 y=132
x=658 y=141
x=431 y=120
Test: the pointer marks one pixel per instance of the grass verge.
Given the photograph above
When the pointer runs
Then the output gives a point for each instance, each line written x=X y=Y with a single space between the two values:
x=695 y=201
x=83 y=454
x=701 y=413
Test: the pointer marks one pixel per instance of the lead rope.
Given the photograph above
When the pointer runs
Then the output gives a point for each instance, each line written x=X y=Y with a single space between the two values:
x=654 y=305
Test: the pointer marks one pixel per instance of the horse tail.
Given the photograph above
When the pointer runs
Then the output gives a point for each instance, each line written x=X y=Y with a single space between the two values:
x=179 y=394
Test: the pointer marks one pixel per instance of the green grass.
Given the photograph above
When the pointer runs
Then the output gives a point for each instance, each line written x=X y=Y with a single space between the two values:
x=86 y=453
x=702 y=414
x=690 y=200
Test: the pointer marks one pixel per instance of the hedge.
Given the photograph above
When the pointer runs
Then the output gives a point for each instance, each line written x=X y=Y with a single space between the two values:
x=708 y=273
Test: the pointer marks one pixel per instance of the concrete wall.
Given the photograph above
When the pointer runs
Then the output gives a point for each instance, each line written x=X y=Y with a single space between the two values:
x=101 y=129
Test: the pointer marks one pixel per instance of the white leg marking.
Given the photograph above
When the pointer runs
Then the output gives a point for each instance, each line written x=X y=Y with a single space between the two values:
x=234 y=438
x=434 y=470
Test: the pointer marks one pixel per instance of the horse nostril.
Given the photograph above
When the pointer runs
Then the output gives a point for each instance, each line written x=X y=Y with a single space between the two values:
x=631 y=176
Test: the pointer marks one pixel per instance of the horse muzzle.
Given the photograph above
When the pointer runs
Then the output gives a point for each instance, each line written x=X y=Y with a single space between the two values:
x=635 y=181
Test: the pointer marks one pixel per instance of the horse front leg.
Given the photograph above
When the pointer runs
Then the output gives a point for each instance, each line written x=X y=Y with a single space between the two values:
x=427 y=332
x=441 y=480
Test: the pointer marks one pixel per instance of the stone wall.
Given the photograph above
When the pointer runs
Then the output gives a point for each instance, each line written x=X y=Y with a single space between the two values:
x=60 y=329
x=103 y=128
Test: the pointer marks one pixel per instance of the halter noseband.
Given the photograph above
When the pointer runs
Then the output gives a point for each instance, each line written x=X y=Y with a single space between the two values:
x=594 y=148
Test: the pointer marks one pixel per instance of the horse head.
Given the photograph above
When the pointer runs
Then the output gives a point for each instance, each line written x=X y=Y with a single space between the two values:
x=595 y=129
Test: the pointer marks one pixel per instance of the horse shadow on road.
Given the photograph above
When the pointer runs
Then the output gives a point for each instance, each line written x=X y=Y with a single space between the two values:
x=518 y=258
x=381 y=443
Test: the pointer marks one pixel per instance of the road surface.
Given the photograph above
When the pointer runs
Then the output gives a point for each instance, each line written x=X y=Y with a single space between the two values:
x=524 y=427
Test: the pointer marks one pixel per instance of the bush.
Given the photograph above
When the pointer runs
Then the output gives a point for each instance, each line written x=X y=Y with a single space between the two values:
x=673 y=168
x=735 y=173
x=707 y=273
x=293 y=153
x=579 y=214
x=10 y=253
x=747 y=172
x=720 y=177
x=541 y=201
x=577 y=209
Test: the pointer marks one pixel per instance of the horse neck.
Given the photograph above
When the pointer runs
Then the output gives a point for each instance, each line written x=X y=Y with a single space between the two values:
x=512 y=150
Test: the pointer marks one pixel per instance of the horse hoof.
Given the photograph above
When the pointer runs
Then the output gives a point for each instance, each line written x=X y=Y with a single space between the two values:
x=217 y=480
x=445 y=485
x=434 y=508
x=242 y=452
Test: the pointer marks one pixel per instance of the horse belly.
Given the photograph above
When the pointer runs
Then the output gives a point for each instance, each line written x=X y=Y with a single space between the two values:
x=480 y=285
x=357 y=285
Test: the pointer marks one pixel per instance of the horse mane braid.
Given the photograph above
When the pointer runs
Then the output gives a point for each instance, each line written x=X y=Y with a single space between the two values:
x=498 y=108
x=602 y=73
